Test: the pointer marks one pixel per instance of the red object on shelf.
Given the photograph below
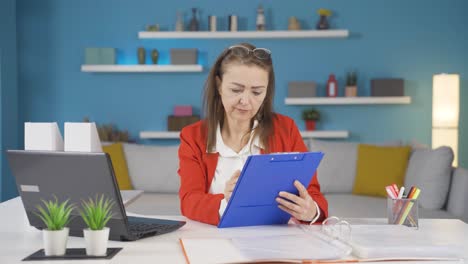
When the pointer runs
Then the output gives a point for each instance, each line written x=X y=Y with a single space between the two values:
x=332 y=86
x=310 y=125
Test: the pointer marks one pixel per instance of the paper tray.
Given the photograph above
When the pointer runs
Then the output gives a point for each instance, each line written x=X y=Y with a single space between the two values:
x=71 y=253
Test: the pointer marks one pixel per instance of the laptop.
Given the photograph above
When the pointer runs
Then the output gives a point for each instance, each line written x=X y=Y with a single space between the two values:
x=78 y=176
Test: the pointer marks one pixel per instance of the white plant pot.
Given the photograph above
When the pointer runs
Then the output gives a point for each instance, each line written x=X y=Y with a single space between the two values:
x=96 y=241
x=55 y=241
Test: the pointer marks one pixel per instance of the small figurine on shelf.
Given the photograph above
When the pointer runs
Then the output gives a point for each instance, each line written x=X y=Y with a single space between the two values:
x=154 y=56
x=179 y=22
x=323 y=21
x=194 y=21
x=260 y=19
x=310 y=116
x=332 y=86
x=294 y=24
x=351 y=84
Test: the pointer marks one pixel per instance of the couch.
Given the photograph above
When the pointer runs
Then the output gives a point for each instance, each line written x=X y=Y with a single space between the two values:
x=154 y=169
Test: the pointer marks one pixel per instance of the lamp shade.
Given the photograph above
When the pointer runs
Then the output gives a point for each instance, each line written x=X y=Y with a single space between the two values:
x=445 y=100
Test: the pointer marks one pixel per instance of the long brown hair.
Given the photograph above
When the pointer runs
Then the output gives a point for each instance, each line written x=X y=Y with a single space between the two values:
x=213 y=107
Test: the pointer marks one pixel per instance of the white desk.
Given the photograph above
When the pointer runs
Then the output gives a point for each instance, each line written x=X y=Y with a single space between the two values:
x=18 y=239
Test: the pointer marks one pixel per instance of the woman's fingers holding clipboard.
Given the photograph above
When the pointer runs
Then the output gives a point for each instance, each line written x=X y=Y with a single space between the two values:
x=230 y=184
x=300 y=206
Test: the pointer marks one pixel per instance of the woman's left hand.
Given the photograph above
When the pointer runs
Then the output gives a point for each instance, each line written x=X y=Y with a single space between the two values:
x=301 y=207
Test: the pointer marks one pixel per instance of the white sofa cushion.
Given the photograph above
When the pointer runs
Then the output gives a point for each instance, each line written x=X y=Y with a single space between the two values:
x=430 y=170
x=337 y=170
x=153 y=168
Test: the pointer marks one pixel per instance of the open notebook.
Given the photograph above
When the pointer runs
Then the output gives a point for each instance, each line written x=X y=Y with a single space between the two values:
x=364 y=243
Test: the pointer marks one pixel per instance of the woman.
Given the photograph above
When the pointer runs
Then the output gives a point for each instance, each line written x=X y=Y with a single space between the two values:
x=239 y=121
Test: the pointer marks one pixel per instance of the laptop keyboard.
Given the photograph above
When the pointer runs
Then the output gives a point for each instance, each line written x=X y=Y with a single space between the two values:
x=150 y=229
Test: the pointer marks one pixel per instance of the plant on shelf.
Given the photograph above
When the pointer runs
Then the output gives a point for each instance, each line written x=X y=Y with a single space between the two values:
x=351 y=84
x=323 y=21
x=56 y=217
x=111 y=133
x=96 y=213
x=311 y=116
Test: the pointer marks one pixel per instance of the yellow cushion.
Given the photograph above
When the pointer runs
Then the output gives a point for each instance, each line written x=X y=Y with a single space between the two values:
x=378 y=167
x=119 y=163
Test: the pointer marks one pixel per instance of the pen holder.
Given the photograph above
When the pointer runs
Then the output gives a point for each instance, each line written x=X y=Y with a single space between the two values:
x=403 y=212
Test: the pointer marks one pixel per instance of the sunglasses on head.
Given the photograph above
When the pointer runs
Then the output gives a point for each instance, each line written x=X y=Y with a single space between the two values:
x=244 y=52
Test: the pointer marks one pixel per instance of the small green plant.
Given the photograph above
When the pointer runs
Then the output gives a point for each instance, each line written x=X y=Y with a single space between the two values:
x=55 y=215
x=110 y=132
x=311 y=114
x=351 y=79
x=96 y=213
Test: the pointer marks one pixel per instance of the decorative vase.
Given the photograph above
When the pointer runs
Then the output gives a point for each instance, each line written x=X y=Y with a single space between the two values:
x=293 y=24
x=194 y=22
x=154 y=56
x=96 y=241
x=179 y=22
x=141 y=55
x=310 y=125
x=351 y=91
x=55 y=241
x=323 y=23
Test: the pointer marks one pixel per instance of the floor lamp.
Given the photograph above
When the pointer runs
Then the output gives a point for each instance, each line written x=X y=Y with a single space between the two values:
x=445 y=112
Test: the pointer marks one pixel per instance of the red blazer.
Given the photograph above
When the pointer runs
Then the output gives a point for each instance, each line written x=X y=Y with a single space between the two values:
x=197 y=169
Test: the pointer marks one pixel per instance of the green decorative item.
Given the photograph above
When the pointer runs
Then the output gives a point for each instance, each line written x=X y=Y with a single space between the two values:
x=96 y=213
x=351 y=84
x=55 y=215
x=108 y=56
x=152 y=28
x=141 y=55
x=92 y=56
x=311 y=116
x=154 y=56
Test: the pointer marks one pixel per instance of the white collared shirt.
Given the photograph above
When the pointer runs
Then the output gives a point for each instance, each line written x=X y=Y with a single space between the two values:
x=229 y=161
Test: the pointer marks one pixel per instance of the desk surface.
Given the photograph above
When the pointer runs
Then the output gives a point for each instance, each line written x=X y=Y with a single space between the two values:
x=18 y=239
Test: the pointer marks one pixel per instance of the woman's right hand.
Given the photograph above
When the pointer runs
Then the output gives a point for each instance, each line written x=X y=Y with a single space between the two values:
x=230 y=184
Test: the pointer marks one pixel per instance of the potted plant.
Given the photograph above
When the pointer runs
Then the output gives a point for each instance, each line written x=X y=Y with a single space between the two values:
x=55 y=216
x=96 y=213
x=323 y=21
x=351 y=85
x=311 y=116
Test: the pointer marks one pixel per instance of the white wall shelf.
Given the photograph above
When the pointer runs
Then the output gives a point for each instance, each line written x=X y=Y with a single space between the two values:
x=348 y=100
x=305 y=134
x=335 y=33
x=141 y=68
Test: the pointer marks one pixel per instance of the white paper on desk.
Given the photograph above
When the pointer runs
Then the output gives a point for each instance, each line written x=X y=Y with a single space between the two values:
x=199 y=230
x=42 y=136
x=211 y=250
x=293 y=247
x=265 y=248
x=398 y=241
x=82 y=137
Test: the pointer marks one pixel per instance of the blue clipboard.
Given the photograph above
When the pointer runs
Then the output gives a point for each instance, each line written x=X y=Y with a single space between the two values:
x=262 y=178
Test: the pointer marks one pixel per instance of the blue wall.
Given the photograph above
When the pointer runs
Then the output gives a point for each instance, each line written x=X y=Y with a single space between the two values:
x=8 y=94
x=408 y=39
